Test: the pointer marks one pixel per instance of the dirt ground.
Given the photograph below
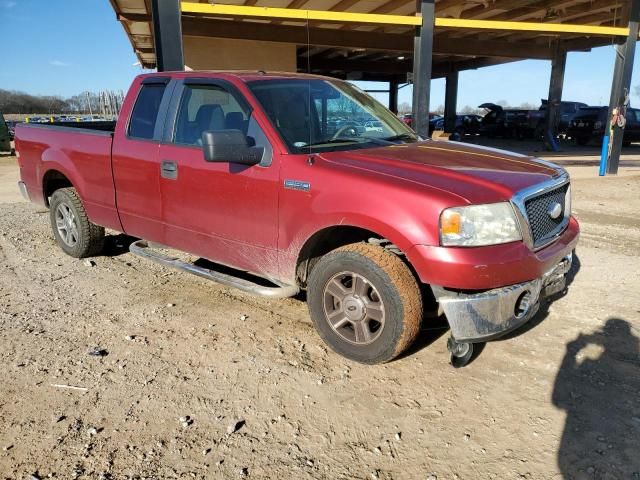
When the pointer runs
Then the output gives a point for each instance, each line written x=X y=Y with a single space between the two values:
x=201 y=381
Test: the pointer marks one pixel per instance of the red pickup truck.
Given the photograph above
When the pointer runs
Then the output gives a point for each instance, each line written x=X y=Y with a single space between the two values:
x=242 y=170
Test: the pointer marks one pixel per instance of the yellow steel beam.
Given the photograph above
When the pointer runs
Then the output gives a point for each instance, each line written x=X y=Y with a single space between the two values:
x=384 y=19
x=298 y=14
x=531 y=26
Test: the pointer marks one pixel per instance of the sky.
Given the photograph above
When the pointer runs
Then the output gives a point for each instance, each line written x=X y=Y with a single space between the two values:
x=66 y=47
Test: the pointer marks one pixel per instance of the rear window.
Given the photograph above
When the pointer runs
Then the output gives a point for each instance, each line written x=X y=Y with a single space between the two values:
x=145 y=111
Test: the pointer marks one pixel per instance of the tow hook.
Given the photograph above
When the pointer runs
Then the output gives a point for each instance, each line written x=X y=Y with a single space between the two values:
x=461 y=352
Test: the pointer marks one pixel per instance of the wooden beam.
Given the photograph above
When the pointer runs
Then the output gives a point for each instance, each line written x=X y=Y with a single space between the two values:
x=590 y=17
x=134 y=17
x=390 y=6
x=298 y=35
x=570 y=13
x=344 y=5
x=444 y=69
x=297 y=3
x=348 y=65
x=351 y=39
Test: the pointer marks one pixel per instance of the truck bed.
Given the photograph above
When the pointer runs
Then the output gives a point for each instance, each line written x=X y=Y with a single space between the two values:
x=77 y=151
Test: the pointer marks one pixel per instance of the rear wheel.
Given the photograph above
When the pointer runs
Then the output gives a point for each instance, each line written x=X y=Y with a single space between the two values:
x=582 y=140
x=365 y=303
x=73 y=231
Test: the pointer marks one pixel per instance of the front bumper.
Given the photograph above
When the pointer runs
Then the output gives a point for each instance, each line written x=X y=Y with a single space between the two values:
x=480 y=317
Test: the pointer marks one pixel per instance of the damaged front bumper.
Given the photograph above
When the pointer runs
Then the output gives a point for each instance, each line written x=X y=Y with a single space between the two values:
x=479 y=317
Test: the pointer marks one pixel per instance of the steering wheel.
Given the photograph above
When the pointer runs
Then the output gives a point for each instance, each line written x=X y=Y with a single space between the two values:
x=344 y=129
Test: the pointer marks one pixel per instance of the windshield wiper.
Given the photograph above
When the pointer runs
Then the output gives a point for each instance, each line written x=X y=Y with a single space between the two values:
x=402 y=136
x=358 y=140
x=332 y=140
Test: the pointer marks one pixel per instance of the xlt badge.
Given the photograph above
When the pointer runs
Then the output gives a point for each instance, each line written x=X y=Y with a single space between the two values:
x=297 y=185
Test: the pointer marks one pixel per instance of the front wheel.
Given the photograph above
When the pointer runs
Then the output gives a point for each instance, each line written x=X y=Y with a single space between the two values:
x=365 y=303
x=73 y=231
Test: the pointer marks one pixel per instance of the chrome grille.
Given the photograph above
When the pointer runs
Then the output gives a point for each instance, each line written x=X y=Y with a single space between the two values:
x=543 y=227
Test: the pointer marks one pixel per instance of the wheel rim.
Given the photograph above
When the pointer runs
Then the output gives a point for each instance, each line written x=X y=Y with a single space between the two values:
x=67 y=225
x=353 y=308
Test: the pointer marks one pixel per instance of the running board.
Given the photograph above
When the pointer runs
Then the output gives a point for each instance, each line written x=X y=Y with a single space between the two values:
x=142 y=249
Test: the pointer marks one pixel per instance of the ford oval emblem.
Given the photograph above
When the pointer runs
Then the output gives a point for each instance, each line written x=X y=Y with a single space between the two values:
x=554 y=210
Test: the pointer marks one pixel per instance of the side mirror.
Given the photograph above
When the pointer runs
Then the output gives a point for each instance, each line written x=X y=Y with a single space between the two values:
x=229 y=146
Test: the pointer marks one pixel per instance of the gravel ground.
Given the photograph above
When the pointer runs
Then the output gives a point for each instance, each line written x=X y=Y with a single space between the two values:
x=195 y=380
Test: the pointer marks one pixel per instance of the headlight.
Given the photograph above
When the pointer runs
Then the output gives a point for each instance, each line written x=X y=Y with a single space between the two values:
x=597 y=125
x=478 y=225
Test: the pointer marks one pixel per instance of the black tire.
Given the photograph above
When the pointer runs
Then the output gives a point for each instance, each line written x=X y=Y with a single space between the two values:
x=582 y=141
x=391 y=284
x=87 y=239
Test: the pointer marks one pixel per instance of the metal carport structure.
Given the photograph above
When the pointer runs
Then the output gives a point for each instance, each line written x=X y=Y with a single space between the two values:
x=385 y=40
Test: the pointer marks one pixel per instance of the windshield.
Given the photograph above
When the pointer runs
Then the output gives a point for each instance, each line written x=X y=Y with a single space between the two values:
x=317 y=115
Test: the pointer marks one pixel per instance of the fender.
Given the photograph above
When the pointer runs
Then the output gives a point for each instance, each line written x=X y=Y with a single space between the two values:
x=402 y=226
x=54 y=159
x=89 y=171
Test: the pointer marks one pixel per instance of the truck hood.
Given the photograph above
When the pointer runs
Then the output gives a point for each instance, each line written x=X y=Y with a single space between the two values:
x=475 y=174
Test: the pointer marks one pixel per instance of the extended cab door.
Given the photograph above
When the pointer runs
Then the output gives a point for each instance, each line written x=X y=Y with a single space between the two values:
x=224 y=212
x=136 y=165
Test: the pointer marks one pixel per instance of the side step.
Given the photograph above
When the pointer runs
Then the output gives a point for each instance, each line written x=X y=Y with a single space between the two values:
x=142 y=249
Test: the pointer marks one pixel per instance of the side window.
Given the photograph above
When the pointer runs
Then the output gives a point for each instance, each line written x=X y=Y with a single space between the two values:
x=145 y=111
x=208 y=107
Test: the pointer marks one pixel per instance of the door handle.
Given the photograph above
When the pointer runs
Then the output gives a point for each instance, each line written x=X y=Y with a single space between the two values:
x=169 y=170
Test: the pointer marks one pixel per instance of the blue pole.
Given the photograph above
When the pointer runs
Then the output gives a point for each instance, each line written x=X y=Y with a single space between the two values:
x=604 y=155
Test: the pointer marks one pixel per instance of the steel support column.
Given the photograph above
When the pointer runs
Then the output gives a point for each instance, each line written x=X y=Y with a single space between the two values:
x=554 y=100
x=393 y=96
x=422 y=57
x=621 y=86
x=167 y=32
x=450 y=102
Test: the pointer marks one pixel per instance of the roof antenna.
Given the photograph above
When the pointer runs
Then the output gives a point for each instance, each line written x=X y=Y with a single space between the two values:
x=308 y=45
x=309 y=83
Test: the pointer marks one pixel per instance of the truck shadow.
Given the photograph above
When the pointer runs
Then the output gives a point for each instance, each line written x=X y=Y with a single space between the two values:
x=598 y=386
x=116 y=245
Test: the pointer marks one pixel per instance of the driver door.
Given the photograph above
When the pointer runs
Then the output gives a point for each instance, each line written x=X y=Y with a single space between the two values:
x=224 y=212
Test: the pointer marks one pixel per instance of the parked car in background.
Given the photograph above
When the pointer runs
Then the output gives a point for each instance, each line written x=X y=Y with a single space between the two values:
x=589 y=123
x=373 y=126
x=568 y=110
x=36 y=120
x=509 y=122
x=407 y=118
x=5 y=137
x=465 y=124
x=523 y=123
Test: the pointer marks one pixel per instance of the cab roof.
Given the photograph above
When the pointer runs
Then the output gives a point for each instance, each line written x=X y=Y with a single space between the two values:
x=242 y=75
